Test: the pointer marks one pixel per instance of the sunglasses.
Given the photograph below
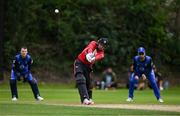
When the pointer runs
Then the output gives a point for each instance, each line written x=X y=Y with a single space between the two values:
x=141 y=53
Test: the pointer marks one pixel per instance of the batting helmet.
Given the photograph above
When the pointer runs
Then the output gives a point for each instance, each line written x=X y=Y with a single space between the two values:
x=103 y=41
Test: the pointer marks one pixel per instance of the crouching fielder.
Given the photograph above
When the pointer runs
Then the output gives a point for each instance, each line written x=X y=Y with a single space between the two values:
x=83 y=67
x=142 y=68
x=21 y=68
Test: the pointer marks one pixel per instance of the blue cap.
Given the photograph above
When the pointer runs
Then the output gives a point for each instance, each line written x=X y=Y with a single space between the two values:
x=141 y=50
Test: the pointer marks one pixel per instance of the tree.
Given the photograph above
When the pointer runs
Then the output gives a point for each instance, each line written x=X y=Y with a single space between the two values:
x=1 y=37
x=177 y=22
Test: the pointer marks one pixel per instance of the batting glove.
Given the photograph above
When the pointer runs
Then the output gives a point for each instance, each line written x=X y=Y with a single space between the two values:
x=90 y=57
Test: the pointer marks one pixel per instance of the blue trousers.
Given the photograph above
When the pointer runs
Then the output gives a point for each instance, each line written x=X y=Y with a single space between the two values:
x=28 y=77
x=150 y=77
x=17 y=76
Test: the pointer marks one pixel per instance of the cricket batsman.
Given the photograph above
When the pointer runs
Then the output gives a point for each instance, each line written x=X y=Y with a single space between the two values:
x=93 y=52
x=143 y=68
x=21 y=69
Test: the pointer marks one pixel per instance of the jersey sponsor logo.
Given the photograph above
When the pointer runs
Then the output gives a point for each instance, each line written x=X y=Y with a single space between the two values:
x=21 y=67
x=141 y=69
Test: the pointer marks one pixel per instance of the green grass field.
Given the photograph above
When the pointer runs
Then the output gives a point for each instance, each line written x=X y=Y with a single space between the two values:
x=56 y=95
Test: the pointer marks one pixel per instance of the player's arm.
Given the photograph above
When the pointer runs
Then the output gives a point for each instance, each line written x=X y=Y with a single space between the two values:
x=99 y=56
x=91 y=46
x=150 y=65
x=133 y=65
x=89 y=49
x=159 y=74
x=15 y=67
x=131 y=69
x=30 y=62
x=14 y=64
x=114 y=76
x=104 y=76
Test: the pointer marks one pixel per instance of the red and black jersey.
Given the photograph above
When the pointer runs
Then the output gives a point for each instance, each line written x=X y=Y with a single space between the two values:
x=91 y=48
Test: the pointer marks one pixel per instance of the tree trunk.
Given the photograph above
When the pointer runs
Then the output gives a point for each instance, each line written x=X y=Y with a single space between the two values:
x=177 y=23
x=1 y=38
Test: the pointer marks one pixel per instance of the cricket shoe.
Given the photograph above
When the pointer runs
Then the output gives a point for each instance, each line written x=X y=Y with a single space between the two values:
x=129 y=99
x=14 y=99
x=86 y=102
x=92 y=102
x=39 y=98
x=160 y=100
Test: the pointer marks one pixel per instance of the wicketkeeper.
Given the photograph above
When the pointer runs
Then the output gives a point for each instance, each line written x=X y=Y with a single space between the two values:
x=83 y=67
x=21 y=69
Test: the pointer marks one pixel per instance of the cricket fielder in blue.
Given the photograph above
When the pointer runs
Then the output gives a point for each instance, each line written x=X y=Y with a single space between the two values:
x=21 y=69
x=142 y=68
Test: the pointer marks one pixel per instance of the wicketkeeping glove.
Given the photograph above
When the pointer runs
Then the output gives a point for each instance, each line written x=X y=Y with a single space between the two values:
x=143 y=77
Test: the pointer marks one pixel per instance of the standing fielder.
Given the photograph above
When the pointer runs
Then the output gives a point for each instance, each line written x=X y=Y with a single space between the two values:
x=21 y=68
x=83 y=67
x=143 y=67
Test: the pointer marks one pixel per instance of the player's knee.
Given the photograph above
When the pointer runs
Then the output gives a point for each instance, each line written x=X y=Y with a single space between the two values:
x=12 y=81
x=33 y=81
x=131 y=80
x=153 y=82
x=80 y=79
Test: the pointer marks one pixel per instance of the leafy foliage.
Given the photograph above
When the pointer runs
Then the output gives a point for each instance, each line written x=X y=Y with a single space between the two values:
x=54 y=40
